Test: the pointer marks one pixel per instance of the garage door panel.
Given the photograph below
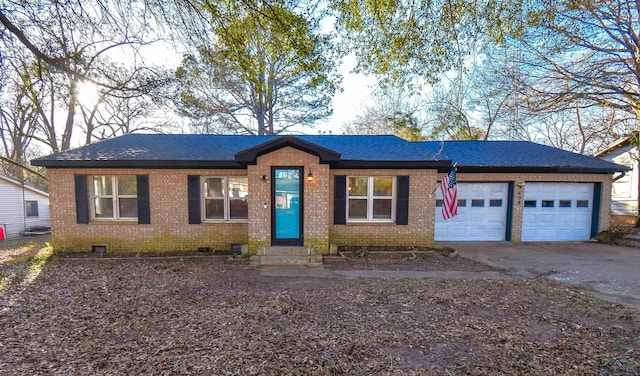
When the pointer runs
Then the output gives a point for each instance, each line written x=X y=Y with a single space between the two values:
x=478 y=233
x=492 y=218
x=545 y=232
x=561 y=212
x=566 y=217
x=476 y=220
x=460 y=218
x=545 y=219
x=569 y=235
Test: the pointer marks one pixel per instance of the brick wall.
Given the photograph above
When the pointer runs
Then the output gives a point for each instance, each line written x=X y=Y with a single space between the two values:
x=419 y=231
x=316 y=198
x=169 y=229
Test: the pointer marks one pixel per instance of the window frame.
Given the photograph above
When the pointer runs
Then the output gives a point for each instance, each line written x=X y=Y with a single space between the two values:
x=225 y=198
x=370 y=197
x=26 y=209
x=496 y=203
x=114 y=196
x=478 y=203
x=547 y=204
x=582 y=204
x=563 y=203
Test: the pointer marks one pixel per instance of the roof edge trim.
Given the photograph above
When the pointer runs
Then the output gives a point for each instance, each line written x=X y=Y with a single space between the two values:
x=251 y=154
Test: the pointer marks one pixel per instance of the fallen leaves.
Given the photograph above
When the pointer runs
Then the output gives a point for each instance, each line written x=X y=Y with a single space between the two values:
x=208 y=316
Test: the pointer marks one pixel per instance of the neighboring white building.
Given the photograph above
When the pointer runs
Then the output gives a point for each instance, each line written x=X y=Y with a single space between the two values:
x=22 y=207
x=624 y=191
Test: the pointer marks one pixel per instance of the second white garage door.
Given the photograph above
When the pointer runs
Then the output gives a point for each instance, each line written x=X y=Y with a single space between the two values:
x=482 y=213
x=557 y=211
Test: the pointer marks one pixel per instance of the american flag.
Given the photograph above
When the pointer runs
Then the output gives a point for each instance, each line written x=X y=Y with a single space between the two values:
x=449 y=188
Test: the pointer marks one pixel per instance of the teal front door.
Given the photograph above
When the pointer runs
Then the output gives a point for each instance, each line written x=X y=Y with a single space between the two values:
x=286 y=205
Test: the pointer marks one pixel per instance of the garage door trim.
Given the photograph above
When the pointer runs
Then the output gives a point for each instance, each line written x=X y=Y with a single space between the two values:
x=595 y=215
x=509 y=219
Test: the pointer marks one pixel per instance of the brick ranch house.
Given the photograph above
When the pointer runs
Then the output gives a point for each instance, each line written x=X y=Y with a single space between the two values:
x=144 y=192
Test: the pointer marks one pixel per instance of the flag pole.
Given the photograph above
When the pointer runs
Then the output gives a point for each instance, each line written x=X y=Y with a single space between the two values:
x=436 y=188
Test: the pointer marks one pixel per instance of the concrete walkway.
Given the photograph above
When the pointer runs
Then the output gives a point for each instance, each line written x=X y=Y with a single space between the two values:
x=613 y=272
x=320 y=272
x=417 y=274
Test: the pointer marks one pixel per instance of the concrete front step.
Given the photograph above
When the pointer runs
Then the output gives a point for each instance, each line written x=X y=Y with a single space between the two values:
x=284 y=251
x=272 y=260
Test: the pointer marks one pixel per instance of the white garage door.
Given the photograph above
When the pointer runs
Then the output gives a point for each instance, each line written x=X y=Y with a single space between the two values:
x=557 y=211
x=482 y=213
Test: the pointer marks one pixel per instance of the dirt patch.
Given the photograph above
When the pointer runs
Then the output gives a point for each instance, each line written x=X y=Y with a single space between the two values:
x=620 y=234
x=212 y=316
x=427 y=259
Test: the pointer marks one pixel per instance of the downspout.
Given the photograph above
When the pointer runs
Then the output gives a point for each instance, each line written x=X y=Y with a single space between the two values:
x=24 y=208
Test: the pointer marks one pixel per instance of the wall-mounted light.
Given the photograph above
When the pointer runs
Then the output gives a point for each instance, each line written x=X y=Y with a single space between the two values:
x=310 y=177
x=264 y=177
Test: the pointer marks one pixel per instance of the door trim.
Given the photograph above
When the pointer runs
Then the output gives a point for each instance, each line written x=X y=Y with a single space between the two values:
x=291 y=241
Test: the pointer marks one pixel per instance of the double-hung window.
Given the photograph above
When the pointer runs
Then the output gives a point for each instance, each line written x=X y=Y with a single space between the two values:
x=371 y=198
x=225 y=198
x=31 y=208
x=114 y=197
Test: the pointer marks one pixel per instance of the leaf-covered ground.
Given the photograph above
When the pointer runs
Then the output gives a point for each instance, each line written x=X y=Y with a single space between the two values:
x=212 y=316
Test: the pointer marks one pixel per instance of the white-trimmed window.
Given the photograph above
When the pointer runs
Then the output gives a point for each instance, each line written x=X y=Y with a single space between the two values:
x=225 y=198
x=114 y=197
x=31 y=208
x=371 y=198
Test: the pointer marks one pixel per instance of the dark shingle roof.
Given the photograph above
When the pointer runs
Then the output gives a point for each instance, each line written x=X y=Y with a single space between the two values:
x=152 y=150
x=518 y=155
x=186 y=151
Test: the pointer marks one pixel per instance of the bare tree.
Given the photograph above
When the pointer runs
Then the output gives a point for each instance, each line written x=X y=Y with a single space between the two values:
x=583 y=54
x=16 y=119
x=74 y=42
x=393 y=110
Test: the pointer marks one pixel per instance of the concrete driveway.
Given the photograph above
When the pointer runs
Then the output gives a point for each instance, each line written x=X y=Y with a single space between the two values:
x=613 y=272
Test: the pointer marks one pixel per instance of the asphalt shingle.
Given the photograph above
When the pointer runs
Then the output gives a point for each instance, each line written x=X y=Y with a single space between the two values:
x=518 y=154
x=188 y=150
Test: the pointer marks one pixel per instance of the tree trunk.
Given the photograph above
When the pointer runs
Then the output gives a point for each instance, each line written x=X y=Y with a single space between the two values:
x=71 y=113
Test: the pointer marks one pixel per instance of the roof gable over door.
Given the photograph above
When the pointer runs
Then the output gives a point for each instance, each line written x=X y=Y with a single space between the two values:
x=250 y=155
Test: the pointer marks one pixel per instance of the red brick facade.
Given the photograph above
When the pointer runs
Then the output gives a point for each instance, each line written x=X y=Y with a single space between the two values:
x=169 y=228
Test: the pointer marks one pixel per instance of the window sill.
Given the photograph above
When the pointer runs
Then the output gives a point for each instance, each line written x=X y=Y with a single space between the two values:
x=370 y=223
x=224 y=221
x=95 y=221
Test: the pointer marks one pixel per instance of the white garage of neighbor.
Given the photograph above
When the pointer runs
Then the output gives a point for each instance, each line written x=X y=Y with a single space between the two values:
x=482 y=213
x=557 y=211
